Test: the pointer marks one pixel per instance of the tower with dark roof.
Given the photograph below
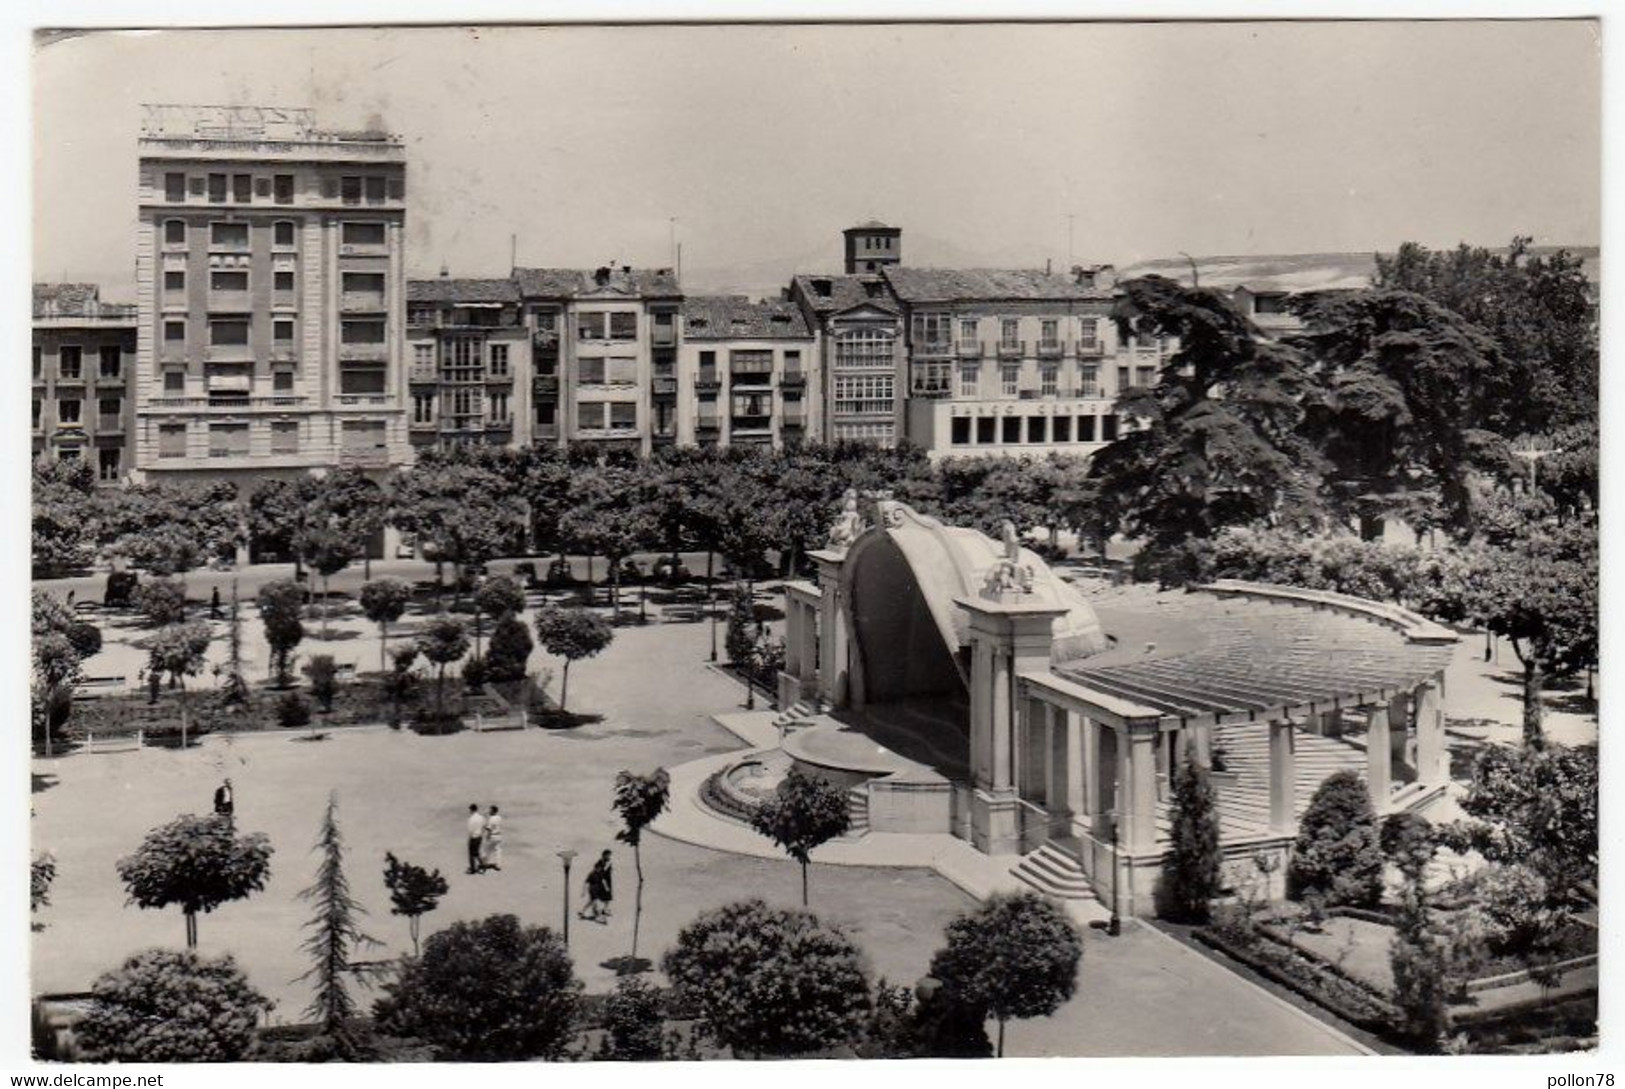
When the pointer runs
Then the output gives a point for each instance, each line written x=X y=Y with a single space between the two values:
x=872 y=246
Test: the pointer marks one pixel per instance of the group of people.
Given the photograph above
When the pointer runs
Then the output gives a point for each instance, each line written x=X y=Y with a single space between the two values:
x=484 y=839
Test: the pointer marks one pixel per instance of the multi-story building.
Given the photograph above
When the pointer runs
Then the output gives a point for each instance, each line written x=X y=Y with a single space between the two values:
x=872 y=246
x=271 y=293
x=604 y=356
x=84 y=367
x=1014 y=361
x=859 y=355
x=748 y=373
x=1268 y=308
x=470 y=363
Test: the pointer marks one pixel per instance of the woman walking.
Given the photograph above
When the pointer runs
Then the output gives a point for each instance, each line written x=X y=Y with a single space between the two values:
x=600 y=890
x=491 y=844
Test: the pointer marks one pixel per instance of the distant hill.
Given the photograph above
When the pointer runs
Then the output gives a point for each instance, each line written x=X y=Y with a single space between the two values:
x=1304 y=271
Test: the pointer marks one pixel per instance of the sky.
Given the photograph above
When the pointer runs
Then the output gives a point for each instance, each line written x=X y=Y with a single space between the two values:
x=989 y=145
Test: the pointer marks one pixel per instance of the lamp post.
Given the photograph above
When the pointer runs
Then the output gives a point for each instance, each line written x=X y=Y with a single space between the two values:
x=567 y=857
x=1115 y=926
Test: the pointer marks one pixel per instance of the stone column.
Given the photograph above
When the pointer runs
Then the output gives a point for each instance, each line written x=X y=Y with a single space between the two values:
x=1062 y=753
x=981 y=714
x=1077 y=763
x=1432 y=756
x=1283 y=775
x=809 y=645
x=1003 y=721
x=1379 y=756
x=1139 y=785
x=832 y=639
x=1202 y=742
x=1089 y=735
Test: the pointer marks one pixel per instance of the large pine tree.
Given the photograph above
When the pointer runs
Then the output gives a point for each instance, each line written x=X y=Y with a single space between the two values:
x=1190 y=870
x=334 y=935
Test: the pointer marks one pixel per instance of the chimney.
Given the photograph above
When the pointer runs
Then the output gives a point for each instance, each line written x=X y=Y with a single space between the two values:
x=1049 y=269
x=600 y=276
x=445 y=273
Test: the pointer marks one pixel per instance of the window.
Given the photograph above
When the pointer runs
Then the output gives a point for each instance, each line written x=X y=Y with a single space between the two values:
x=112 y=361
x=175 y=188
x=37 y=405
x=1037 y=428
x=623 y=415
x=282 y=331
x=1123 y=382
x=1088 y=335
x=364 y=283
x=362 y=234
x=222 y=280
x=67 y=411
x=1010 y=429
x=282 y=187
x=985 y=429
x=623 y=325
x=423 y=356
x=1010 y=381
x=364 y=436
x=282 y=279
x=282 y=382
x=750 y=363
x=1063 y=429
x=350 y=190
x=175 y=280
x=970 y=381
x=361 y=332
x=423 y=408
x=1049 y=331
x=364 y=381
x=590 y=372
x=375 y=190
x=39 y=361
x=863 y=393
x=590 y=415
x=262 y=188
x=463 y=354
x=1145 y=376
x=792 y=363
x=1086 y=429
x=175 y=382
x=228 y=236
x=217 y=189
x=228 y=440
x=229 y=332
x=1047 y=381
x=931 y=331
x=1089 y=381
x=863 y=348
x=590 y=326
x=69 y=362
x=499 y=360
x=960 y=430
x=967 y=330
x=1108 y=428
x=1009 y=332
x=242 y=188
x=107 y=464
x=284 y=436
x=547 y=413
x=175 y=331
x=282 y=234
x=708 y=367
x=174 y=232
x=499 y=408
x=932 y=379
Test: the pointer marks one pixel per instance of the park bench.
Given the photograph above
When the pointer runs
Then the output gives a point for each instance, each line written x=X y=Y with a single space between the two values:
x=91 y=688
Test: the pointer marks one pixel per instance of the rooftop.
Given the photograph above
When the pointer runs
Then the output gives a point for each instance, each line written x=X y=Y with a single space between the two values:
x=724 y=317
x=77 y=301
x=567 y=283
x=445 y=289
x=917 y=285
x=259 y=124
x=872 y=225
x=827 y=294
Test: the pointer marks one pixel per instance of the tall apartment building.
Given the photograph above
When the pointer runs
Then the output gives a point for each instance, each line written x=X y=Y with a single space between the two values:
x=470 y=369
x=860 y=355
x=604 y=355
x=271 y=295
x=1012 y=361
x=84 y=367
x=748 y=374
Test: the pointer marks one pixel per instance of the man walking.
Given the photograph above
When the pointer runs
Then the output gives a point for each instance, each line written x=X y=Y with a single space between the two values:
x=225 y=802
x=476 y=838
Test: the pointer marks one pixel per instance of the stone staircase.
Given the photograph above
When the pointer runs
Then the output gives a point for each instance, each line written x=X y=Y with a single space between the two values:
x=798 y=714
x=1244 y=806
x=857 y=812
x=1054 y=870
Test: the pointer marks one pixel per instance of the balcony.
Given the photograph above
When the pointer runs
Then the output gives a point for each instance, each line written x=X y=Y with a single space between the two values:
x=968 y=349
x=364 y=400
x=365 y=352
x=1051 y=349
x=107 y=425
x=1091 y=349
x=362 y=302
x=228 y=353
x=230 y=302
x=663 y=336
x=1012 y=349
x=665 y=387
x=75 y=379
x=172 y=404
x=284 y=353
x=707 y=380
x=934 y=349
x=424 y=425
x=424 y=374
x=365 y=458
x=796 y=378
x=546 y=385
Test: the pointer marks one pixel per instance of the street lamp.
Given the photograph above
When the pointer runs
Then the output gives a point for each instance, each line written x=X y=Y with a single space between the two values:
x=1115 y=926
x=567 y=857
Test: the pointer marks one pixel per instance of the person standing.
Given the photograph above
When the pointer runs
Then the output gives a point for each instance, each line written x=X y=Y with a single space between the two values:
x=476 y=837
x=214 y=604
x=600 y=889
x=491 y=849
x=225 y=801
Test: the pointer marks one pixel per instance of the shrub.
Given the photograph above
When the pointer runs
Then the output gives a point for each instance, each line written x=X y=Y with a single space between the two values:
x=475 y=674
x=634 y=1020
x=323 y=673
x=169 y=1006
x=1408 y=842
x=85 y=637
x=509 y=653
x=770 y=981
x=1337 y=854
x=292 y=711
x=1421 y=984
x=280 y=605
x=120 y=589
x=41 y=872
x=486 y=990
x=1513 y=902
x=740 y=638
x=1190 y=870
x=161 y=601
x=499 y=596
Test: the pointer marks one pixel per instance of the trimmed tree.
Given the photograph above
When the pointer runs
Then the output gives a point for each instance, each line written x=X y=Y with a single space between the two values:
x=384 y=601
x=443 y=642
x=196 y=863
x=165 y=1006
x=323 y=673
x=413 y=892
x=770 y=981
x=401 y=682
x=1408 y=843
x=508 y=657
x=1015 y=956
x=41 y=872
x=571 y=634
x=280 y=605
x=639 y=799
x=334 y=934
x=633 y=1021
x=162 y=601
x=497 y=597
x=179 y=650
x=804 y=813
x=1337 y=855
x=1190 y=870
x=491 y=990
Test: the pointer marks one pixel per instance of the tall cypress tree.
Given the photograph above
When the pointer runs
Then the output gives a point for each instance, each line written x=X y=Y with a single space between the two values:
x=335 y=933
x=1190 y=870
